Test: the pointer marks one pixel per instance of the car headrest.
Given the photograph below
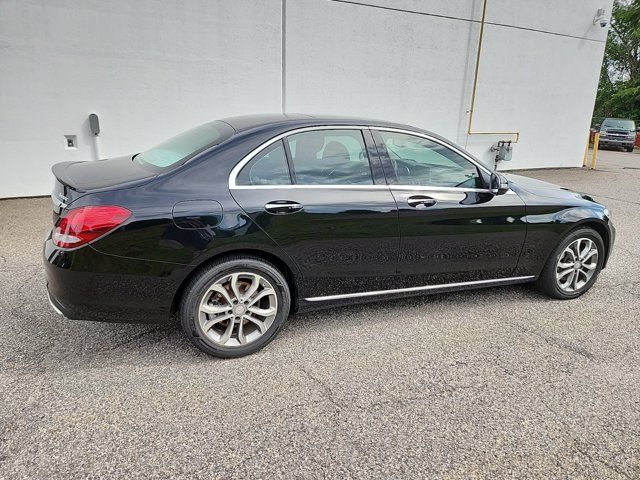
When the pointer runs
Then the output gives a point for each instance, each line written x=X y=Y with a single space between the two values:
x=335 y=151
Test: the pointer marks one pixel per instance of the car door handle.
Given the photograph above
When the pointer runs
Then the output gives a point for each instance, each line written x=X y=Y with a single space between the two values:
x=282 y=207
x=421 y=201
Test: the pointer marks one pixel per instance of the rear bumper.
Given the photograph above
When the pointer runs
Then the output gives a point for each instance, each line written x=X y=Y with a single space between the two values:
x=55 y=306
x=85 y=284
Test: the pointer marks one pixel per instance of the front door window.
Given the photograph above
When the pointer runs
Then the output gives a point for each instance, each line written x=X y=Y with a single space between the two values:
x=418 y=161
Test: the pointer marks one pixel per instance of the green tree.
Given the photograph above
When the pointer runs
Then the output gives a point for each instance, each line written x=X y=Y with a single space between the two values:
x=619 y=88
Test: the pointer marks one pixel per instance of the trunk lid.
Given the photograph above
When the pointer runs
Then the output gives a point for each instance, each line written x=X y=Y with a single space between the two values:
x=99 y=174
x=76 y=179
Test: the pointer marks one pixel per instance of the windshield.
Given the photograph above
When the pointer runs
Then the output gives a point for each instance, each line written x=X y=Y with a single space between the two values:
x=177 y=150
x=619 y=124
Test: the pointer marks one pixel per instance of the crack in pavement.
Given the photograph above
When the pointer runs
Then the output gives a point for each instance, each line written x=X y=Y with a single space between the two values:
x=556 y=342
x=328 y=391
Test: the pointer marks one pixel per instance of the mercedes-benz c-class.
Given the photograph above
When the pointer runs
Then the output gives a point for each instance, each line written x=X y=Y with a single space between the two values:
x=234 y=225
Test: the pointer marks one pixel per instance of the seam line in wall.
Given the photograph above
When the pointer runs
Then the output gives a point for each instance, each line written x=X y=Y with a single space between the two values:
x=470 y=20
x=283 y=53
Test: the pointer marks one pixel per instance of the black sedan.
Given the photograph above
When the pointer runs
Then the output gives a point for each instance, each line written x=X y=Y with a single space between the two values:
x=235 y=224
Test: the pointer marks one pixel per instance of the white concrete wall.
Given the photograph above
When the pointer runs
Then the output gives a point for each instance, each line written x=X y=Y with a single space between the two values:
x=148 y=68
x=151 y=69
x=413 y=62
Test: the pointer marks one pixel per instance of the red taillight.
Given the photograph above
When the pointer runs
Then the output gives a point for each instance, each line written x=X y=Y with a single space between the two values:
x=81 y=225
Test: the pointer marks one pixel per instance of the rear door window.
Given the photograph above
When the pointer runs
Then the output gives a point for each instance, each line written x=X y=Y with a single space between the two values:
x=330 y=157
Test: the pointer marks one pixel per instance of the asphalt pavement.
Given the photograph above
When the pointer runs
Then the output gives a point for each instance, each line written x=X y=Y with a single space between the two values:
x=494 y=383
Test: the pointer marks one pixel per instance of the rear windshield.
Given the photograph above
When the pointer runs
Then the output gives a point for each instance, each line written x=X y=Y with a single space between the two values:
x=619 y=123
x=179 y=149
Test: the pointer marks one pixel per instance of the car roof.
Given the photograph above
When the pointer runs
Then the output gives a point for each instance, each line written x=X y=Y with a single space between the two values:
x=293 y=120
x=268 y=125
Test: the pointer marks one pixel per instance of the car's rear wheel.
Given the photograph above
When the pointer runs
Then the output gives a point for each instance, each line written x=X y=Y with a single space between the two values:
x=574 y=265
x=234 y=307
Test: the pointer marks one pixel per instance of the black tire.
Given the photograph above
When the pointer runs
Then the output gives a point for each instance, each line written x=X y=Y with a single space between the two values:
x=547 y=282
x=629 y=149
x=198 y=287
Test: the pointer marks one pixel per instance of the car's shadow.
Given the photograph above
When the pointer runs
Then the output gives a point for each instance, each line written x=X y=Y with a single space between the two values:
x=86 y=344
x=52 y=341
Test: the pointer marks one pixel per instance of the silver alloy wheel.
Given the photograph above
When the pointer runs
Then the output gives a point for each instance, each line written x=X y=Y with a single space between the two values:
x=576 y=265
x=237 y=309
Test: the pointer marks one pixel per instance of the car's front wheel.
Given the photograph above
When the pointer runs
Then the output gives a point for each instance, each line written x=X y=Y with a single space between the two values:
x=235 y=306
x=574 y=265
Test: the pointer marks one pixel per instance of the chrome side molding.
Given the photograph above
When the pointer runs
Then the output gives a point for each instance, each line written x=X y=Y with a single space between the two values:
x=375 y=293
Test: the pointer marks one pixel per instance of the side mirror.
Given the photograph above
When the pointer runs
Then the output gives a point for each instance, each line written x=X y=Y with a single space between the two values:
x=499 y=184
x=597 y=127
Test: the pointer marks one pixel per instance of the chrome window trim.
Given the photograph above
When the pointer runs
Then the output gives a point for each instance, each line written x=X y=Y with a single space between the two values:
x=435 y=140
x=355 y=186
x=438 y=189
x=247 y=158
x=420 y=188
x=375 y=293
x=416 y=188
x=365 y=187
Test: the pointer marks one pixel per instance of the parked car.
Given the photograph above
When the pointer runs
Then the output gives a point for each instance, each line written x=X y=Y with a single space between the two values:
x=235 y=224
x=618 y=132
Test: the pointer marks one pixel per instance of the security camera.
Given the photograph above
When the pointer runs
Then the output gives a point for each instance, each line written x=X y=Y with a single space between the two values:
x=600 y=18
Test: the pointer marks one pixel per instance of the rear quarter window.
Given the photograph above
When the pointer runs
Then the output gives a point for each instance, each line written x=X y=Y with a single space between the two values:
x=268 y=167
x=175 y=151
